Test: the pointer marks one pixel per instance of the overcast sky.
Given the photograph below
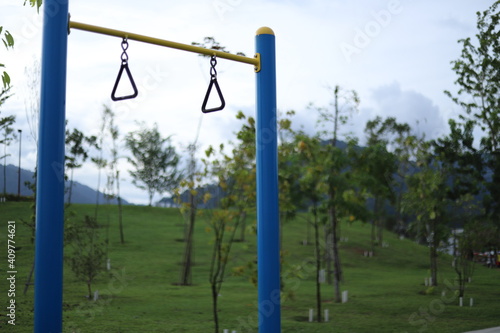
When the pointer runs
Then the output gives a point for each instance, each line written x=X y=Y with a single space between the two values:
x=395 y=53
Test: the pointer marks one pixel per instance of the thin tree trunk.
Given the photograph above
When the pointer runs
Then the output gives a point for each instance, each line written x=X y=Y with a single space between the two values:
x=337 y=274
x=375 y=223
x=188 y=252
x=332 y=242
x=380 y=221
x=70 y=187
x=186 y=267
x=433 y=255
x=332 y=210
x=187 y=262
x=151 y=194
x=308 y=234
x=282 y=282
x=373 y=236
x=380 y=231
x=120 y=210
x=243 y=226
x=97 y=194
x=214 y=275
x=5 y=166
x=120 y=220
x=214 y=307
x=460 y=270
x=318 y=263
x=329 y=254
x=89 y=289
x=461 y=283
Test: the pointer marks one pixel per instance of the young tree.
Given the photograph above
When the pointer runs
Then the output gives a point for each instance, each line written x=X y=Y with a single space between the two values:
x=32 y=101
x=463 y=161
x=6 y=135
x=244 y=170
x=465 y=185
x=288 y=180
x=223 y=220
x=114 y=173
x=426 y=198
x=32 y=110
x=478 y=78
x=76 y=154
x=87 y=252
x=330 y=118
x=289 y=190
x=189 y=211
x=154 y=160
x=314 y=189
x=403 y=147
x=379 y=166
x=474 y=236
x=288 y=175
x=99 y=159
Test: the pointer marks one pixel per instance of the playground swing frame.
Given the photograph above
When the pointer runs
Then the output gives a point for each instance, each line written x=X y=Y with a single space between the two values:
x=50 y=167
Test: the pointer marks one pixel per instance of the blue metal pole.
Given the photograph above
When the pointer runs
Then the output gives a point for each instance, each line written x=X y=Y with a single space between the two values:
x=268 y=247
x=50 y=170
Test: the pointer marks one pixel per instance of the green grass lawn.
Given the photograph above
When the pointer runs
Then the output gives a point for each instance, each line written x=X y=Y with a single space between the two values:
x=139 y=294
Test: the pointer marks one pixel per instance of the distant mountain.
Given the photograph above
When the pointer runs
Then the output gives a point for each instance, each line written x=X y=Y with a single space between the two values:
x=81 y=194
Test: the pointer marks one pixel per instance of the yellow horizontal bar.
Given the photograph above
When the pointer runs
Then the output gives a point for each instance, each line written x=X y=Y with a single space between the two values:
x=150 y=40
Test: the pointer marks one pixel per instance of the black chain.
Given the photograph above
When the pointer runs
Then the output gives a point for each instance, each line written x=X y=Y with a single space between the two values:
x=213 y=82
x=124 y=67
x=213 y=71
x=124 y=55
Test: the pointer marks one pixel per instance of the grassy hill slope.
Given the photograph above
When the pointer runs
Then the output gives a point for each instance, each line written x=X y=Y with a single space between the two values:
x=386 y=292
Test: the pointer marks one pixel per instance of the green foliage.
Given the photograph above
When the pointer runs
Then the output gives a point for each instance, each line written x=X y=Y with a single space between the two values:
x=478 y=72
x=75 y=141
x=426 y=195
x=233 y=177
x=113 y=176
x=154 y=160
x=76 y=153
x=5 y=78
x=344 y=104
x=34 y=3
x=6 y=122
x=8 y=42
x=426 y=198
x=314 y=189
x=288 y=168
x=430 y=290
x=7 y=134
x=478 y=80
x=87 y=254
x=474 y=237
x=211 y=43
x=463 y=161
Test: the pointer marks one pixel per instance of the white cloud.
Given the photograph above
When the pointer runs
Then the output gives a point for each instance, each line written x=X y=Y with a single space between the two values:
x=410 y=107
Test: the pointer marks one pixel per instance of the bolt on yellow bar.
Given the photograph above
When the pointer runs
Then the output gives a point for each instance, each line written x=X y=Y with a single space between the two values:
x=156 y=41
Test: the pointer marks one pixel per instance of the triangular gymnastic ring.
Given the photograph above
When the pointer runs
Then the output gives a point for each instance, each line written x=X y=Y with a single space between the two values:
x=204 y=105
x=124 y=66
